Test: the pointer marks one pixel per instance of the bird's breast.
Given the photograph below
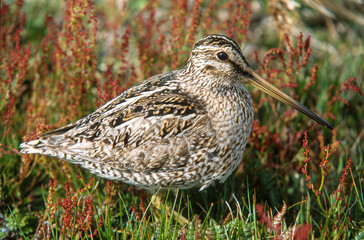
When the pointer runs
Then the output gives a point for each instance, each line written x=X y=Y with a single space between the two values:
x=231 y=114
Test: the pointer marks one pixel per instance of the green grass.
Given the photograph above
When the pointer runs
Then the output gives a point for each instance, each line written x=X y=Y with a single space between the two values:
x=57 y=66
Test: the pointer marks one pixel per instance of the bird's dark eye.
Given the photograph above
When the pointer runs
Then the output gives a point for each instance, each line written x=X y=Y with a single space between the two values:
x=222 y=56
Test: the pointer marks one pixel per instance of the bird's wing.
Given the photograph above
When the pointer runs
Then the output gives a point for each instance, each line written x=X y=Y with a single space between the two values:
x=123 y=100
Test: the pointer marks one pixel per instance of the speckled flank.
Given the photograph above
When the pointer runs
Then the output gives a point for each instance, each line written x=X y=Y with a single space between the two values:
x=181 y=129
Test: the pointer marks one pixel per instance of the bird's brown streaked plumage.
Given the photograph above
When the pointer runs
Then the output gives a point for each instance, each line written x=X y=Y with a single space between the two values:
x=181 y=129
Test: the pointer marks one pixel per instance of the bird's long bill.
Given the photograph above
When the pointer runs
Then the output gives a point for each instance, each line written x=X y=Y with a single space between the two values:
x=265 y=86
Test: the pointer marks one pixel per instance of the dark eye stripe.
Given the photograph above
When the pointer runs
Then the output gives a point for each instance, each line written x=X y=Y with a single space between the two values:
x=239 y=69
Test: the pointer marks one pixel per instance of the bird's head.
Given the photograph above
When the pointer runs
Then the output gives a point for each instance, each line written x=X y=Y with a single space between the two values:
x=220 y=58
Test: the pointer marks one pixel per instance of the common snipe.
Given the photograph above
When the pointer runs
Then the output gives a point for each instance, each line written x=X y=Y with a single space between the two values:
x=181 y=129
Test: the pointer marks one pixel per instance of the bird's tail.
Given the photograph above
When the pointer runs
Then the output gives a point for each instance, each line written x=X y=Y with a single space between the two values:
x=49 y=146
x=50 y=143
x=34 y=146
x=54 y=146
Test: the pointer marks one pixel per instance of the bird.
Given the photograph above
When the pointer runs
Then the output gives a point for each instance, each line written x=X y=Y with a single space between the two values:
x=182 y=129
